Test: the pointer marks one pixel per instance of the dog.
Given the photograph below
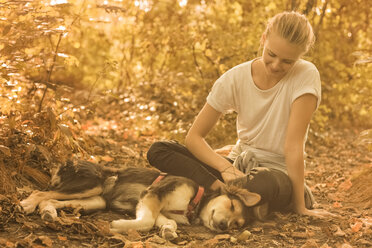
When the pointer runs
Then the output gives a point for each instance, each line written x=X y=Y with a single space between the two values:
x=153 y=198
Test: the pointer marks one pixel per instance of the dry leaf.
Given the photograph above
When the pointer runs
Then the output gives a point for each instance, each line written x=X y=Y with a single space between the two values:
x=156 y=239
x=337 y=205
x=210 y=243
x=137 y=245
x=356 y=226
x=62 y=238
x=46 y=241
x=133 y=234
x=345 y=245
x=244 y=235
x=5 y=150
x=301 y=235
x=30 y=225
x=346 y=185
x=339 y=232
x=222 y=236
x=107 y=158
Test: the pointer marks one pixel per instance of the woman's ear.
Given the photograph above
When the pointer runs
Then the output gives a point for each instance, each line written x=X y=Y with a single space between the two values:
x=263 y=39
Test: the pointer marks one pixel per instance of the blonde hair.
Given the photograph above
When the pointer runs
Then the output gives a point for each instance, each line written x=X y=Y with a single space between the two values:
x=292 y=26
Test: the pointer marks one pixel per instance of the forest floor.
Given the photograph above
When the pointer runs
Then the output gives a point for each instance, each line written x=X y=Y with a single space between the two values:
x=339 y=171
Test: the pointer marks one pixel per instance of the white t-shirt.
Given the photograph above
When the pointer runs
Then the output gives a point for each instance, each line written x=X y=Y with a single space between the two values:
x=263 y=114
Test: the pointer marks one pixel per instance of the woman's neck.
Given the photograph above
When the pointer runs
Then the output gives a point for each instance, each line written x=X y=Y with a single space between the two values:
x=260 y=77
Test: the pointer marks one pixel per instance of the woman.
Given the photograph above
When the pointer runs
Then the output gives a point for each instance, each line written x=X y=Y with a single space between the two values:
x=274 y=96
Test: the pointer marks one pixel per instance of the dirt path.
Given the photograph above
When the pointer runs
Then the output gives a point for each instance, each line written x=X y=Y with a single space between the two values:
x=339 y=171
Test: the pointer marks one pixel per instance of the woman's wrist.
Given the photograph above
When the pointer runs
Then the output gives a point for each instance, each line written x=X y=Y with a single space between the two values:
x=226 y=168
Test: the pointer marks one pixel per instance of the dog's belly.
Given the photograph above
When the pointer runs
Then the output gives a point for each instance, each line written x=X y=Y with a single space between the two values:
x=125 y=196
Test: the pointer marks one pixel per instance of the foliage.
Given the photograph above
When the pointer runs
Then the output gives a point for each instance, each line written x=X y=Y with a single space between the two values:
x=158 y=59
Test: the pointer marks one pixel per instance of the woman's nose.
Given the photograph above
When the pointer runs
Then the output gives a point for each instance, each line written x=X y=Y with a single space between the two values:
x=276 y=65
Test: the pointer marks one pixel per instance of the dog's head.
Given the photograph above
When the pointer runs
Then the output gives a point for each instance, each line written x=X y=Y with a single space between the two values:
x=228 y=209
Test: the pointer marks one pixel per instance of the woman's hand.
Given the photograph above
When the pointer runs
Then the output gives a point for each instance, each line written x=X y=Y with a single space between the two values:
x=231 y=173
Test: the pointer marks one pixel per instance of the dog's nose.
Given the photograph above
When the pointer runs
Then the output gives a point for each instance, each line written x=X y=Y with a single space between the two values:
x=222 y=225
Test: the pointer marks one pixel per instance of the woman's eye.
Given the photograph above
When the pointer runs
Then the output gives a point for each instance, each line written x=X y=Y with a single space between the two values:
x=271 y=55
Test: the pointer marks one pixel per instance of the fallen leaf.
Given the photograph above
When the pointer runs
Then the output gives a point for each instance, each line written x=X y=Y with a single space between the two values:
x=346 y=185
x=339 y=232
x=133 y=234
x=30 y=225
x=222 y=236
x=182 y=242
x=233 y=239
x=137 y=245
x=46 y=241
x=120 y=237
x=337 y=204
x=257 y=229
x=62 y=238
x=156 y=239
x=107 y=158
x=244 y=235
x=211 y=243
x=9 y=244
x=301 y=235
x=345 y=245
x=103 y=227
x=356 y=226
x=5 y=150
x=367 y=221
x=364 y=242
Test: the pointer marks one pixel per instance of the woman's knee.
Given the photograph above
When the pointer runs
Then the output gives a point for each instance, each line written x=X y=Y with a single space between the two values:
x=155 y=149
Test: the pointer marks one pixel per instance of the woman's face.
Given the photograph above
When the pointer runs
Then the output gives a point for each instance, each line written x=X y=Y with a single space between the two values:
x=279 y=55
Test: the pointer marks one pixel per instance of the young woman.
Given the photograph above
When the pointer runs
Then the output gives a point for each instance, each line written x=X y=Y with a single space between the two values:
x=274 y=96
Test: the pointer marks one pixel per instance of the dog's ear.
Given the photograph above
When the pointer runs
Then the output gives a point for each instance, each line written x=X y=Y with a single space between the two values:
x=248 y=198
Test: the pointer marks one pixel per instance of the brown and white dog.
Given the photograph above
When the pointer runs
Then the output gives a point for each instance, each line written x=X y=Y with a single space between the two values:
x=163 y=203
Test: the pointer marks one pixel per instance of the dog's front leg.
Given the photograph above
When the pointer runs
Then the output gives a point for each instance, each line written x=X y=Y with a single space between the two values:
x=147 y=211
x=167 y=227
x=32 y=201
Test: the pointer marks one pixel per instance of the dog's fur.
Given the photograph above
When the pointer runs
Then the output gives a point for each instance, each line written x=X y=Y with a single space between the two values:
x=93 y=187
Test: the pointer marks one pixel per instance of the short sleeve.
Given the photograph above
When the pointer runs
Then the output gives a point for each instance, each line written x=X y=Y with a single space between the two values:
x=221 y=96
x=309 y=83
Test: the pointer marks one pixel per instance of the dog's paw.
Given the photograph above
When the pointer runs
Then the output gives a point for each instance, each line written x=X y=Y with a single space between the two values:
x=27 y=206
x=49 y=214
x=168 y=232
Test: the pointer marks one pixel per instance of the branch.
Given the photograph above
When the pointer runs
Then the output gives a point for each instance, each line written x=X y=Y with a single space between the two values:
x=50 y=71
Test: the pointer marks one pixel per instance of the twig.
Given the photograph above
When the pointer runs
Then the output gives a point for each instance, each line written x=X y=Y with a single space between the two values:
x=50 y=70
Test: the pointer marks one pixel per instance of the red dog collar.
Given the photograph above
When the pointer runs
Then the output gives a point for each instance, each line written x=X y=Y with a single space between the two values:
x=192 y=204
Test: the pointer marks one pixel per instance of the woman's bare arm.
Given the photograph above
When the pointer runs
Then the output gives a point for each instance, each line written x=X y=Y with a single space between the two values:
x=301 y=113
x=195 y=142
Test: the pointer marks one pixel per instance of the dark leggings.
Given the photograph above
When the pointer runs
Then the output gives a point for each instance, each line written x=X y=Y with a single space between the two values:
x=274 y=186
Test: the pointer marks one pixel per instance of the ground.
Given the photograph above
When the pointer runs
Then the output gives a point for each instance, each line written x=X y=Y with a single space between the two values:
x=339 y=171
